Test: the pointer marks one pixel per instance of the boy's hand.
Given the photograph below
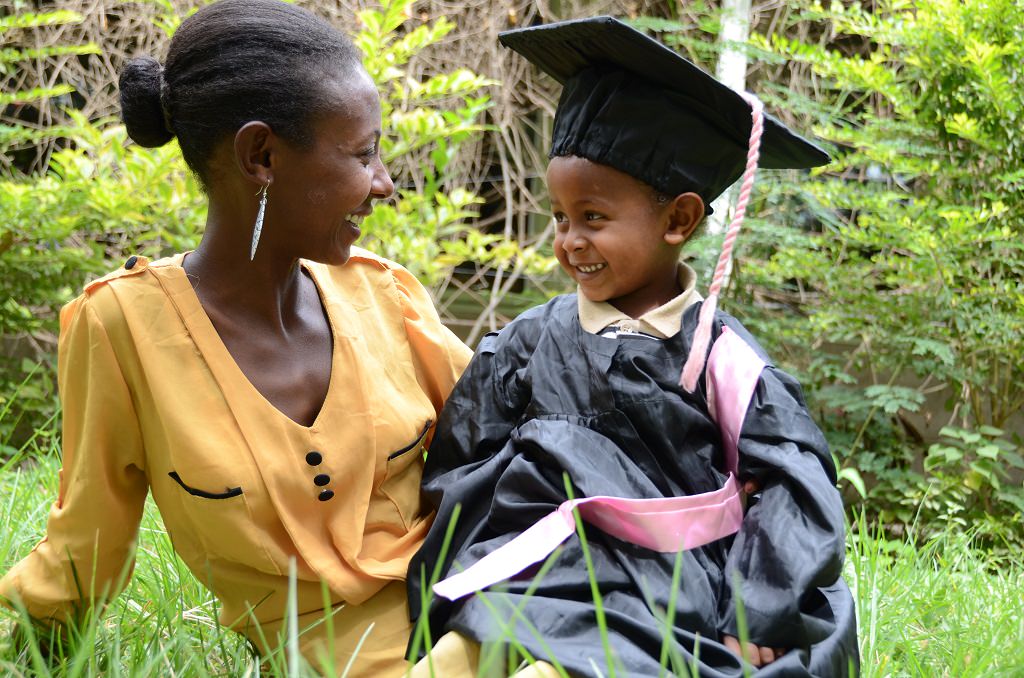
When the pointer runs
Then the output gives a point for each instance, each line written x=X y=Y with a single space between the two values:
x=756 y=655
x=750 y=487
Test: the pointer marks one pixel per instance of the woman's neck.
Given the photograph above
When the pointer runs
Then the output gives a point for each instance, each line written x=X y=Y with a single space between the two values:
x=266 y=291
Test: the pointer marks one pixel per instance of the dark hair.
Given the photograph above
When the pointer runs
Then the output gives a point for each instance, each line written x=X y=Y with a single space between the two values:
x=230 y=63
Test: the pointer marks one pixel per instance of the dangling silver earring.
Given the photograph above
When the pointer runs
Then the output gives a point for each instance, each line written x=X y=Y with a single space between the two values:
x=258 y=228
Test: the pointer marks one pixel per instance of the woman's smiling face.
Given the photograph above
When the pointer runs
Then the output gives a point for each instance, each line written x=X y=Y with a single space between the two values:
x=328 y=189
x=615 y=237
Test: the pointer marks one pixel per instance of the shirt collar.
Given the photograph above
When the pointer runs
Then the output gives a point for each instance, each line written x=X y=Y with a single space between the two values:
x=662 y=322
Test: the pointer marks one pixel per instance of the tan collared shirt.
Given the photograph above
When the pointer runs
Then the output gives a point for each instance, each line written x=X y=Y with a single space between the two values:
x=662 y=322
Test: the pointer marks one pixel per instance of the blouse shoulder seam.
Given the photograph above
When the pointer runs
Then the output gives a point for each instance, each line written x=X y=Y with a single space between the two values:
x=360 y=255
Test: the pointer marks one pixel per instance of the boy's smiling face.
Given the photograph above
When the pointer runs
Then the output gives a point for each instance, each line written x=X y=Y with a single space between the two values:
x=615 y=238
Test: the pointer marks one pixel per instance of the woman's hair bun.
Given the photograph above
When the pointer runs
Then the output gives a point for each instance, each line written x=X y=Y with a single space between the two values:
x=143 y=114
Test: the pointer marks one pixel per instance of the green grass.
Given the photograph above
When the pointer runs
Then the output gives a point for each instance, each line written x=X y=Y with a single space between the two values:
x=940 y=608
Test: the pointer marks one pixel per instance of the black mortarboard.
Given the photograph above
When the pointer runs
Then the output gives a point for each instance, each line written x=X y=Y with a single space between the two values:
x=633 y=104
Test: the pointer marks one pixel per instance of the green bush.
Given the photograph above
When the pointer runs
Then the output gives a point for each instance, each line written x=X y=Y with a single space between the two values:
x=99 y=200
x=914 y=282
x=428 y=228
x=13 y=56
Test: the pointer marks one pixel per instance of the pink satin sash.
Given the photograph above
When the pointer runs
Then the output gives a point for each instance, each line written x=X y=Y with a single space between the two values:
x=668 y=524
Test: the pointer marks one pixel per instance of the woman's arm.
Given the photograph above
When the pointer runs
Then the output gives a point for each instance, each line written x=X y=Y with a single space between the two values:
x=87 y=555
x=440 y=357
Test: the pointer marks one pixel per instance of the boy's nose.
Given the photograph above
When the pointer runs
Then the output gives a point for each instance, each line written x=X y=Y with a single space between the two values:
x=573 y=243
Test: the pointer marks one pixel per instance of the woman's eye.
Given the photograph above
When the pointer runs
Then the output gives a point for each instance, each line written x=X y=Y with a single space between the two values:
x=370 y=152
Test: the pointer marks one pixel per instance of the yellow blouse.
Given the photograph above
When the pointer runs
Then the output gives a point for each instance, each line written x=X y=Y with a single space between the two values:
x=153 y=400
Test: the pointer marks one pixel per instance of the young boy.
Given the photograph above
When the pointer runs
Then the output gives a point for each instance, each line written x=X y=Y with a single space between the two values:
x=587 y=386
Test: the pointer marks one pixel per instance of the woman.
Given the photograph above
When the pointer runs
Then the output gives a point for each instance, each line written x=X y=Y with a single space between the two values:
x=272 y=389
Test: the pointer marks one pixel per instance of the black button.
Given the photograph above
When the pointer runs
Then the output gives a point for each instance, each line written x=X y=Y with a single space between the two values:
x=325 y=495
x=314 y=458
x=130 y=264
x=321 y=479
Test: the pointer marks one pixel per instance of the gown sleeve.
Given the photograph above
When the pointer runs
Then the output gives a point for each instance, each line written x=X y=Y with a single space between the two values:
x=792 y=541
x=88 y=553
x=489 y=400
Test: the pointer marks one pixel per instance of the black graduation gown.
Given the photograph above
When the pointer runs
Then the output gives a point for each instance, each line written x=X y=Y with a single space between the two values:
x=543 y=398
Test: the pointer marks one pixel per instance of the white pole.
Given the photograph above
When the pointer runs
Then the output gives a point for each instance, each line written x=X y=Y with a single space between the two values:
x=732 y=71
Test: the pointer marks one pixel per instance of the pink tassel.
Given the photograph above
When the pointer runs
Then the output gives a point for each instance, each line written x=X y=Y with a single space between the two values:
x=702 y=337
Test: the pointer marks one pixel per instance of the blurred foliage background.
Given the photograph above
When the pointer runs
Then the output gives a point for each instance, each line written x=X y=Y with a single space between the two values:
x=891 y=281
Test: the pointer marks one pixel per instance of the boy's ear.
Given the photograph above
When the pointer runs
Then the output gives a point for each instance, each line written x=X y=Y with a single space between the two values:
x=685 y=214
x=255 y=147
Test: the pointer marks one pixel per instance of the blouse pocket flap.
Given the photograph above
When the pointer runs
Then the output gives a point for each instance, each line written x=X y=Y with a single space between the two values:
x=228 y=494
x=413 y=444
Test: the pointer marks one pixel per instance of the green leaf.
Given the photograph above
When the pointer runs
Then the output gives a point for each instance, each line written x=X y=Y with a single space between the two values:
x=988 y=451
x=852 y=476
x=892 y=399
x=39 y=19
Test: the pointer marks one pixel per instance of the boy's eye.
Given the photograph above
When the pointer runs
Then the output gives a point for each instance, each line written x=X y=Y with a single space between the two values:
x=593 y=216
x=560 y=218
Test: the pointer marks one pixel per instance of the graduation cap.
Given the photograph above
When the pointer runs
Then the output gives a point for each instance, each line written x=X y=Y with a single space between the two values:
x=633 y=104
